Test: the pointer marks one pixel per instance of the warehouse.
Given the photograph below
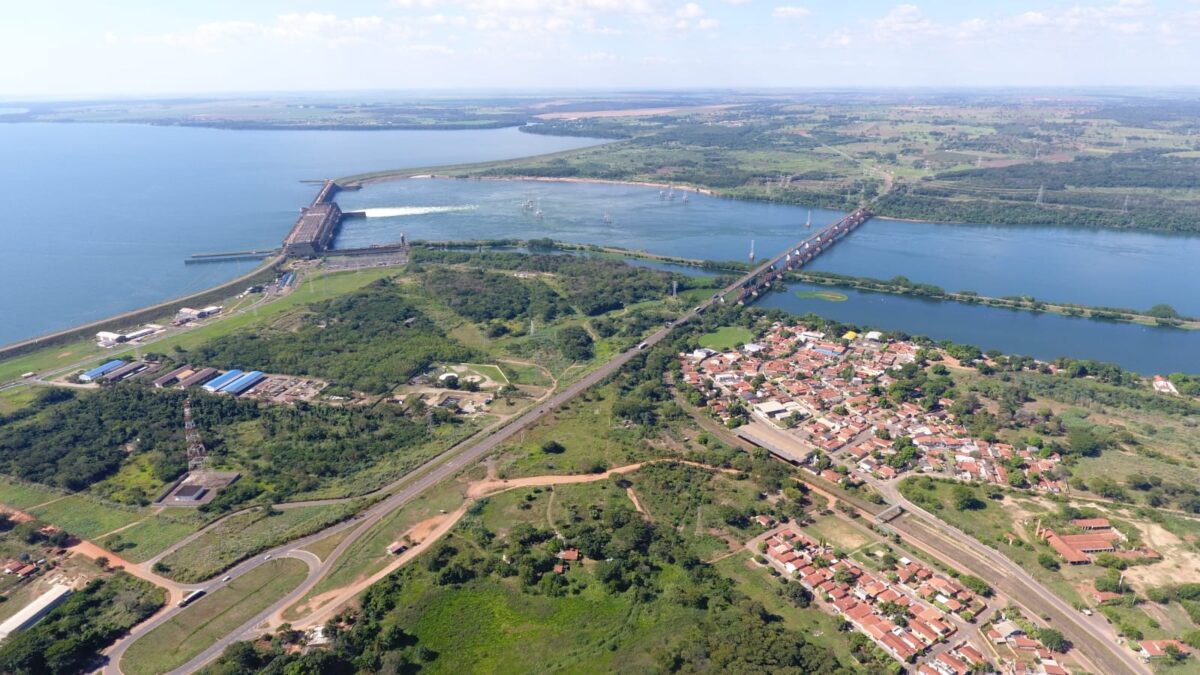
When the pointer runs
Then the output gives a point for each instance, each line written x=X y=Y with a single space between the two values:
x=100 y=370
x=199 y=377
x=242 y=383
x=220 y=382
x=180 y=373
x=118 y=374
x=34 y=611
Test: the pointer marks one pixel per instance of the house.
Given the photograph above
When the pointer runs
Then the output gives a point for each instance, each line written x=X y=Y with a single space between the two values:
x=1092 y=524
x=1007 y=629
x=569 y=555
x=1157 y=649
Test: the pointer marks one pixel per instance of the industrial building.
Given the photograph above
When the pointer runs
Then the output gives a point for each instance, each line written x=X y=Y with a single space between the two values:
x=34 y=611
x=180 y=373
x=316 y=226
x=127 y=370
x=109 y=339
x=219 y=383
x=100 y=370
x=243 y=383
x=199 y=377
x=187 y=314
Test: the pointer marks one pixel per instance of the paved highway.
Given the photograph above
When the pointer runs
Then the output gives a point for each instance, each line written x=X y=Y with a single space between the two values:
x=428 y=475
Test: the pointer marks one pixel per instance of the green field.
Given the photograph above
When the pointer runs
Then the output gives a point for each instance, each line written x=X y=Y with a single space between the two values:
x=187 y=634
x=22 y=496
x=245 y=534
x=828 y=296
x=726 y=337
x=146 y=539
x=86 y=518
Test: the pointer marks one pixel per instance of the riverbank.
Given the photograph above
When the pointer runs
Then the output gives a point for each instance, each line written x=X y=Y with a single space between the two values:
x=1027 y=304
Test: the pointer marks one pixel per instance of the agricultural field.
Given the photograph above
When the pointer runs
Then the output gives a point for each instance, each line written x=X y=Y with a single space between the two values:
x=212 y=617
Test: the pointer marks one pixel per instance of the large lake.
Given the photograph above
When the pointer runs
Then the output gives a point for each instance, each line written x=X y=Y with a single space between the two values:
x=98 y=218
x=1126 y=269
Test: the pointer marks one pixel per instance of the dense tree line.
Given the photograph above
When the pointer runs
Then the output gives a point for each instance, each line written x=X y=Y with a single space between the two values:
x=370 y=340
x=487 y=296
x=71 y=637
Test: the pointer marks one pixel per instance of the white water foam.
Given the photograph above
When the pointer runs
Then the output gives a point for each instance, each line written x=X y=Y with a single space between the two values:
x=396 y=211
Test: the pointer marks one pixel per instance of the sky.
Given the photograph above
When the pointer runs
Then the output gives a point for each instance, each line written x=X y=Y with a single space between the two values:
x=139 y=47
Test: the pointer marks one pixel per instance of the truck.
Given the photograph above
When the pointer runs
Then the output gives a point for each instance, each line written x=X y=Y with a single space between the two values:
x=192 y=597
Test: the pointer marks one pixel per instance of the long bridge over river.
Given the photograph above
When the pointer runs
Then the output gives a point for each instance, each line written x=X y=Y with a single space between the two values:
x=793 y=257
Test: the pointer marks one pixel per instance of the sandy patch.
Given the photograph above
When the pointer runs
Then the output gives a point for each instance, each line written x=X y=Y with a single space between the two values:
x=1179 y=562
x=637 y=504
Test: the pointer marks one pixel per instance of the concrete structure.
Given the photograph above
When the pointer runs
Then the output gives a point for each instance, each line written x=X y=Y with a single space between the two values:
x=118 y=374
x=34 y=611
x=101 y=370
x=220 y=382
x=316 y=226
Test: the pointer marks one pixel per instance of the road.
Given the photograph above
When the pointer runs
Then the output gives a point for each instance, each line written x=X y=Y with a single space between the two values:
x=1091 y=636
x=425 y=477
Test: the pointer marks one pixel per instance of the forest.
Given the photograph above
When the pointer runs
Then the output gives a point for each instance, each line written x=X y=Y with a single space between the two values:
x=282 y=450
x=370 y=341
x=486 y=296
x=71 y=637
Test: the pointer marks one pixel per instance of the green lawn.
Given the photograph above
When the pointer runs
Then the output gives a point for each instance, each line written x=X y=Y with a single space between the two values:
x=86 y=518
x=177 y=641
x=726 y=337
x=16 y=398
x=245 y=534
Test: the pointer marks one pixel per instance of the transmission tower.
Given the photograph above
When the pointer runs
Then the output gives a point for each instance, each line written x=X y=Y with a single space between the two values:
x=197 y=455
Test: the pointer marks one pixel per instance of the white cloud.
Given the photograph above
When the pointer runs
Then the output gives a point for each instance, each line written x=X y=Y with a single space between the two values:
x=790 y=12
x=839 y=39
x=326 y=30
x=690 y=11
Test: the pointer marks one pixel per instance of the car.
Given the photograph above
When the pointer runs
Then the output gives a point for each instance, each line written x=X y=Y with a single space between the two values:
x=267 y=556
x=226 y=578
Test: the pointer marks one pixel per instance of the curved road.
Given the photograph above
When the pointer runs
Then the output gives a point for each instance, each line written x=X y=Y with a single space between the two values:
x=425 y=477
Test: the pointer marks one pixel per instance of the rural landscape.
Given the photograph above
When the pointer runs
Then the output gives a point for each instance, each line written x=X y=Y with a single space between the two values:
x=621 y=368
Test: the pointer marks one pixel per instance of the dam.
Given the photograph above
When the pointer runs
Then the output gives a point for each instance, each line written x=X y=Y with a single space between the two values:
x=315 y=227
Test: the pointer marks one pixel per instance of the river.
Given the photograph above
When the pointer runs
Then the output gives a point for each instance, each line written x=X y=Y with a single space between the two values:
x=98 y=218
x=1129 y=269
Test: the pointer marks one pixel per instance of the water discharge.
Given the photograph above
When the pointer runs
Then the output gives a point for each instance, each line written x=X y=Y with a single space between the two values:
x=398 y=211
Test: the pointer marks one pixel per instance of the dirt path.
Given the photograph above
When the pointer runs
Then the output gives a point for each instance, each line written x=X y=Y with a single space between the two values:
x=637 y=504
x=175 y=591
x=120 y=529
x=425 y=533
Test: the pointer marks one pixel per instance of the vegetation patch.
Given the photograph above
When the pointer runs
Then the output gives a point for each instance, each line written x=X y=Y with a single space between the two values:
x=828 y=296
x=726 y=337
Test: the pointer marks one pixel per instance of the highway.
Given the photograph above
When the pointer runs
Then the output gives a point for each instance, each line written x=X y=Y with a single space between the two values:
x=425 y=477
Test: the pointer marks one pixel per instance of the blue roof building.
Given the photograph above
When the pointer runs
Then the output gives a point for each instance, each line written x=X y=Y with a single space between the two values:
x=100 y=370
x=243 y=383
x=223 y=380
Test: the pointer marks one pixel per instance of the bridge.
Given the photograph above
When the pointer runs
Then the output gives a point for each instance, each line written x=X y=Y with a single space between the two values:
x=804 y=252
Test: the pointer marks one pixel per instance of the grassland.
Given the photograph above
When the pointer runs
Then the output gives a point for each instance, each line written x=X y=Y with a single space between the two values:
x=21 y=496
x=145 y=539
x=726 y=337
x=828 y=296
x=213 y=617
x=85 y=517
x=245 y=534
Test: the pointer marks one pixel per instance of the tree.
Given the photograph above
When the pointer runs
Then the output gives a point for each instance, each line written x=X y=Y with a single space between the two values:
x=575 y=343
x=965 y=499
x=1053 y=639
x=975 y=585
x=1048 y=561
x=553 y=448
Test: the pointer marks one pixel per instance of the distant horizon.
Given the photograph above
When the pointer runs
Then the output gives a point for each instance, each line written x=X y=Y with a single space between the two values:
x=536 y=92
x=139 y=48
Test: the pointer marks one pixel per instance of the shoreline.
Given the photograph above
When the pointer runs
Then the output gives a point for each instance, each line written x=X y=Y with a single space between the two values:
x=681 y=187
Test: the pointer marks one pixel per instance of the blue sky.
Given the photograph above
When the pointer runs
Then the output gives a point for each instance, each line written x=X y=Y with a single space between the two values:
x=82 y=47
